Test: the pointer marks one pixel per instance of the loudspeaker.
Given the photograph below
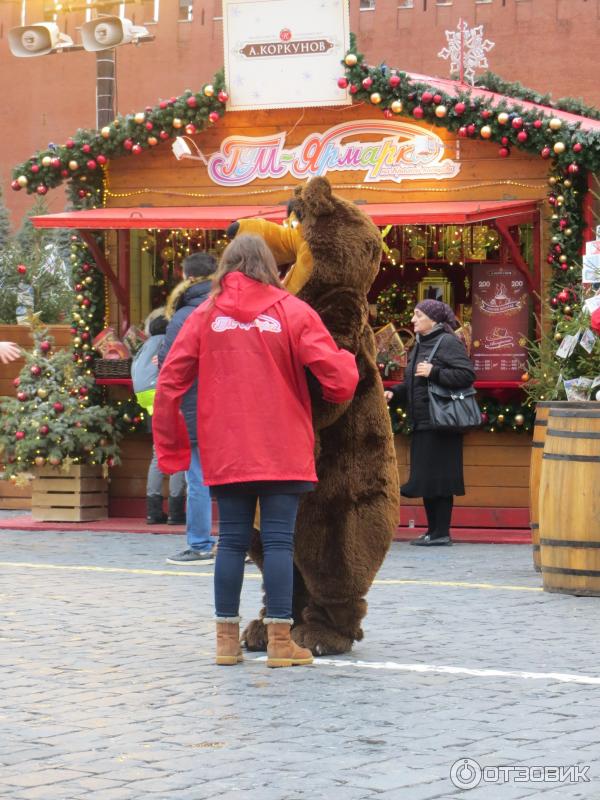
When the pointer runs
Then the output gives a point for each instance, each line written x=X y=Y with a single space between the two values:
x=37 y=40
x=106 y=32
x=180 y=148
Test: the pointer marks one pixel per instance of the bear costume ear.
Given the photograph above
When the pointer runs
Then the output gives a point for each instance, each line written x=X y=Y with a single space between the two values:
x=317 y=197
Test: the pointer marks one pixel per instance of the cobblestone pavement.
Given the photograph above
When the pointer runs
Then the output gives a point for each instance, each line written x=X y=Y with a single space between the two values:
x=109 y=691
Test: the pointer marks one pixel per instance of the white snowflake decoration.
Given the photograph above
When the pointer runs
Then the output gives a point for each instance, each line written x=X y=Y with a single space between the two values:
x=466 y=50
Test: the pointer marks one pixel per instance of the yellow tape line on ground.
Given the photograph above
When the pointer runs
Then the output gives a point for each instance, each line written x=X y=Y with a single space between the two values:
x=258 y=576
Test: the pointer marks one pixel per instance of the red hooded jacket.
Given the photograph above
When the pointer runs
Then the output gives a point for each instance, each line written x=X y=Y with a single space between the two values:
x=248 y=348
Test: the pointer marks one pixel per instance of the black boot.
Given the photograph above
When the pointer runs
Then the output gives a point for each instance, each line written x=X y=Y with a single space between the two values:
x=176 y=510
x=154 y=510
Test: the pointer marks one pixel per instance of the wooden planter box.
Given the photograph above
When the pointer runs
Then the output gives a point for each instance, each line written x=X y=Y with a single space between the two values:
x=79 y=495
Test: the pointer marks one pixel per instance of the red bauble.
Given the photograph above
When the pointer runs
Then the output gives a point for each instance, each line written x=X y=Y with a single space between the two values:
x=367 y=83
x=504 y=140
x=20 y=435
x=128 y=144
x=56 y=163
x=192 y=102
x=15 y=186
x=101 y=160
x=163 y=104
x=85 y=336
x=537 y=123
x=522 y=136
x=36 y=370
x=190 y=129
x=136 y=149
x=577 y=147
x=342 y=83
x=21 y=269
x=163 y=135
x=462 y=131
x=70 y=143
x=44 y=430
x=545 y=152
x=91 y=164
x=16 y=381
x=394 y=81
x=86 y=267
x=149 y=126
x=564 y=267
x=554 y=302
x=471 y=129
x=418 y=112
x=213 y=116
x=86 y=302
x=22 y=396
x=222 y=97
x=353 y=89
x=573 y=169
x=64 y=173
x=459 y=108
x=83 y=391
x=437 y=99
x=517 y=123
x=486 y=113
x=35 y=168
x=41 y=189
x=504 y=152
x=563 y=296
x=45 y=346
x=86 y=148
x=58 y=407
x=81 y=193
x=426 y=97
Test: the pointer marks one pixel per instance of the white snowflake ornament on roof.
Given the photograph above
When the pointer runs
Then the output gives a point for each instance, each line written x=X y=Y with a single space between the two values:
x=466 y=50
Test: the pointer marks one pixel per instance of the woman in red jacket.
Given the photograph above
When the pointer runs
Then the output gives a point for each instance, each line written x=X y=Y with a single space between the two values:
x=249 y=346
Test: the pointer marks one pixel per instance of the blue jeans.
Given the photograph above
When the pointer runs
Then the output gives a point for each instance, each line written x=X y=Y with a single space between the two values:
x=277 y=521
x=198 y=510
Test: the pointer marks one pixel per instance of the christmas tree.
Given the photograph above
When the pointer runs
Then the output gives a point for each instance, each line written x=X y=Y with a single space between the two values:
x=34 y=275
x=53 y=420
x=4 y=224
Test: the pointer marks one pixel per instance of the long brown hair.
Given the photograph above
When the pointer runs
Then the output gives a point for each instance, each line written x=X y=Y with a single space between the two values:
x=251 y=256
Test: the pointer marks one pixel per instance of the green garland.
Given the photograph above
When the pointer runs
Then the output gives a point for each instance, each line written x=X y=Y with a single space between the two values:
x=489 y=80
x=497 y=417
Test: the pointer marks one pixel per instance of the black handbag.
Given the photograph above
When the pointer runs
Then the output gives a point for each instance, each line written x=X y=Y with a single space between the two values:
x=452 y=409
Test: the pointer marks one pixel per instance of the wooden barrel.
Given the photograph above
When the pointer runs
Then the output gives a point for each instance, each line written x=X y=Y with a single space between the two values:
x=569 y=500
x=535 y=468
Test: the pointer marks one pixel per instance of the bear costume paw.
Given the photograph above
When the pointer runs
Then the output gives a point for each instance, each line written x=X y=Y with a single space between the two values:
x=321 y=640
x=254 y=637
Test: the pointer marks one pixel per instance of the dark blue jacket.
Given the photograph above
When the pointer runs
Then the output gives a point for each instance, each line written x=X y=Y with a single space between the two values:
x=193 y=297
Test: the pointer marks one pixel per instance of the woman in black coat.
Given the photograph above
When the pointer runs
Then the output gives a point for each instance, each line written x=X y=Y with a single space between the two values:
x=436 y=457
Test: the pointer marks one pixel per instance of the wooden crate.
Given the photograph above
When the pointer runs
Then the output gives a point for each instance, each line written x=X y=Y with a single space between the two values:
x=79 y=495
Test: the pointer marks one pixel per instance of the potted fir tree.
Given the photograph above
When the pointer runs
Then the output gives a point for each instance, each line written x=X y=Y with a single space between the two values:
x=53 y=434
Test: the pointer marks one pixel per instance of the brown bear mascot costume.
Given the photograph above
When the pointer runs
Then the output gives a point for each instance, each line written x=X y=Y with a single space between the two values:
x=344 y=527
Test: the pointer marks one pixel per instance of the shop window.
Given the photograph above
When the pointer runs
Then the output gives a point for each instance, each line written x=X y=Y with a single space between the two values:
x=482 y=2
x=443 y=2
x=186 y=11
x=150 y=12
x=367 y=5
x=406 y=4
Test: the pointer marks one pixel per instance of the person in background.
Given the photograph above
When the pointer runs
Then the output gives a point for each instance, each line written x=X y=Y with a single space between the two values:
x=198 y=270
x=144 y=374
x=436 y=457
x=9 y=351
x=249 y=348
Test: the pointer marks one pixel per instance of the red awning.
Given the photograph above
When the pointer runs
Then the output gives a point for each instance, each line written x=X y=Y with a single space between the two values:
x=220 y=217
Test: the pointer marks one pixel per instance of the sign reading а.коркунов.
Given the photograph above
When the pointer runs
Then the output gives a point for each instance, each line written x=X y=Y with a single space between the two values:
x=284 y=53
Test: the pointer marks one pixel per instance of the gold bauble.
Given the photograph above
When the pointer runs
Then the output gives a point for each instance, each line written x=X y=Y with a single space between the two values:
x=79 y=298
x=441 y=111
x=396 y=106
x=502 y=118
x=167 y=253
x=568 y=184
x=375 y=98
x=555 y=124
x=177 y=123
x=351 y=60
x=519 y=419
x=568 y=232
x=485 y=132
x=73 y=165
x=500 y=417
x=77 y=341
x=558 y=337
x=43 y=393
x=559 y=147
x=552 y=180
x=46 y=161
x=209 y=90
x=560 y=200
x=88 y=280
x=22 y=180
x=567 y=309
x=562 y=259
x=105 y=132
x=139 y=117
x=555 y=239
x=85 y=347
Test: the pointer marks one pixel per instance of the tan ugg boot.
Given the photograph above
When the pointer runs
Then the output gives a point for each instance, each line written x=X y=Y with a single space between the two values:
x=281 y=650
x=229 y=651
